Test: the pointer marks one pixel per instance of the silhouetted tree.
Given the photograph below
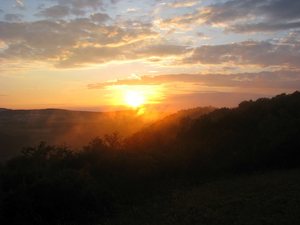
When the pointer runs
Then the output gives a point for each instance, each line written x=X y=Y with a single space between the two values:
x=113 y=140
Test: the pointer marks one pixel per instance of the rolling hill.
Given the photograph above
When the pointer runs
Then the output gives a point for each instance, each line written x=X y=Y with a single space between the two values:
x=22 y=128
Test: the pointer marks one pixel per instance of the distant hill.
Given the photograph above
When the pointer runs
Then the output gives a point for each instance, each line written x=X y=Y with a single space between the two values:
x=164 y=132
x=19 y=128
x=3 y=109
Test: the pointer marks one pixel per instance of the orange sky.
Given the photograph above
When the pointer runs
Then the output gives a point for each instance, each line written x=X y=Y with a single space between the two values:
x=86 y=54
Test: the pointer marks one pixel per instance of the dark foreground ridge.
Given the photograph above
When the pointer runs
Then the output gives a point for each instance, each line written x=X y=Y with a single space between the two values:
x=228 y=166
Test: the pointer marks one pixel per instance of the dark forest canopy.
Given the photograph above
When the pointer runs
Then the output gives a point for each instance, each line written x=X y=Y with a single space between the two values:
x=256 y=133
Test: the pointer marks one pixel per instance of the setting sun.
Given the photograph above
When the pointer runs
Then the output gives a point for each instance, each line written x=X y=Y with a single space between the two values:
x=134 y=98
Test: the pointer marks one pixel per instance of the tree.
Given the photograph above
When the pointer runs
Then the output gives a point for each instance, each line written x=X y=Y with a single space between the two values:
x=113 y=141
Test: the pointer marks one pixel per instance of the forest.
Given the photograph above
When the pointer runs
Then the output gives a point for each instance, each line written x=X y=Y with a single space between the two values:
x=199 y=166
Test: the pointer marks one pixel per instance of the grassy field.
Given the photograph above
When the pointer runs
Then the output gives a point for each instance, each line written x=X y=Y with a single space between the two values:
x=256 y=199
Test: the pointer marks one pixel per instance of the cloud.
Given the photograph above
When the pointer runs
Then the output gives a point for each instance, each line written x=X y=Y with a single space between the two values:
x=277 y=79
x=77 y=42
x=132 y=51
x=263 y=27
x=94 y=4
x=183 y=4
x=132 y=10
x=100 y=17
x=278 y=10
x=64 y=8
x=83 y=41
x=57 y=11
x=19 y=4
x=37 y=40
x=80 y=7
x=11 y=17
x=202 y=36
x=263 y=54
x=148 y=80
x=91 y=55
x=244 y=16
x=96 y=38
x=182 y=21
x=161 y=50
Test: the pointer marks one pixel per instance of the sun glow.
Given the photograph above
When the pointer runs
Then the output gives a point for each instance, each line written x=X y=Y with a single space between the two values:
x=134 y=98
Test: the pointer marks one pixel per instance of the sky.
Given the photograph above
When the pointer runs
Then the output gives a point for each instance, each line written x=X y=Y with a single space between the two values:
x=87 y=54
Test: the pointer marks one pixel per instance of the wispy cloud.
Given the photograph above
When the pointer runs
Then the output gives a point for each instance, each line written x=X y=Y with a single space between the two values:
x=263 y=54
x=19 y=4
x=183 y=4
x=265 y=79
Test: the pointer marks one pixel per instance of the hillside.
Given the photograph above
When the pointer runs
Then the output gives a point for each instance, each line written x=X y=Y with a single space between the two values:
x=21 y=128
x=164 y=132
x=262 y=133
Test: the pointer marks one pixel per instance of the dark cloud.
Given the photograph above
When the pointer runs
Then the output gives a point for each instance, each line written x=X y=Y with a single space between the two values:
x=100 y=17
x=57 y=11
x=262 y=54
x=263 y=27
x=94 y=4
x=80 y=7
x=278 y=10
x=245 y=16
x=65 y=8
x=11 y=17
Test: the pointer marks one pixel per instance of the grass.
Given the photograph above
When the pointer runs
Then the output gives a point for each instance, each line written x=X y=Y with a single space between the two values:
x=257 y=199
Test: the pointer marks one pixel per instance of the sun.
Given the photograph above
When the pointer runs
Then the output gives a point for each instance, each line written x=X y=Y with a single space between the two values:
x=134 y=98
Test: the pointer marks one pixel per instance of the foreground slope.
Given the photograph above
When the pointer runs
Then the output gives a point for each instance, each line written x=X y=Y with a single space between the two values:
x=258 y=199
